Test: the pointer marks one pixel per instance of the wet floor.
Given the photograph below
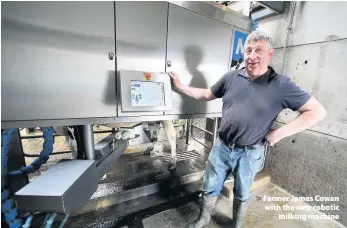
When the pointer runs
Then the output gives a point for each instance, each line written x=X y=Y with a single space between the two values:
x=257 y=215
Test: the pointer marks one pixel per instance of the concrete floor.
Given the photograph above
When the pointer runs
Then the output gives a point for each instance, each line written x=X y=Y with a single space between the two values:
x=257 y=216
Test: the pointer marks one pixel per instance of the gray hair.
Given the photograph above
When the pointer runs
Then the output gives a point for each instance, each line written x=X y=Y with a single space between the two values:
x=258 y=36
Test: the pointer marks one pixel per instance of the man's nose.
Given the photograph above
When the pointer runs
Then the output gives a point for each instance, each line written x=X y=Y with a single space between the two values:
x=252 y=55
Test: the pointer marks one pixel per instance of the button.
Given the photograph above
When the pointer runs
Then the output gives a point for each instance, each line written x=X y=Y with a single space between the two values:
x=148 y=76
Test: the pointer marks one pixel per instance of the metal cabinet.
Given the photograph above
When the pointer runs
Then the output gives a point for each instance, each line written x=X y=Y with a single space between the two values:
x=60 y=60
x=55 y=60
x=198 y=49
x=141 y=29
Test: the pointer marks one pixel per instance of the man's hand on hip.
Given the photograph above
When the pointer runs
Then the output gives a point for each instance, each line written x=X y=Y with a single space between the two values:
x=273 y=137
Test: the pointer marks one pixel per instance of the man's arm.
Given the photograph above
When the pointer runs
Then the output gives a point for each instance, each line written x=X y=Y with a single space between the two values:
x=196 y=93
x=311 y=113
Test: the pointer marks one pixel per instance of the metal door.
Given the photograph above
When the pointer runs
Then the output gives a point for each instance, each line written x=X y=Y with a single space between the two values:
x=55 y=61
x=141 y=29
x=198 y=49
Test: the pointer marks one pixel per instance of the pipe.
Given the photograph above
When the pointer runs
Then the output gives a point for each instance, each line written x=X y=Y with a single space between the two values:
x=198 y=141
x=88 y=137
x=64 y=221
x=50 y=220
x=206 y=131
x=215 y=131
x=28 y=222
x=45 y=220
x=288 y=29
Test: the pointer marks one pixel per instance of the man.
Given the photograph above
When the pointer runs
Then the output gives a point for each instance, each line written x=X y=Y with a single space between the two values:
x=252 y=99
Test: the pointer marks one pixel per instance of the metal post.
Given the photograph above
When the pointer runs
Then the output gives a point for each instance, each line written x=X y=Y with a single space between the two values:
x=187 y=130
x=215 y=130
x=88 y=138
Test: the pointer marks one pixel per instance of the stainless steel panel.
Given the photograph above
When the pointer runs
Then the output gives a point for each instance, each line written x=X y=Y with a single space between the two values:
x=199 y=50
x=141 y=29
x=55 y=61
x=215 y=11
x=63 y=188
x=125 y=78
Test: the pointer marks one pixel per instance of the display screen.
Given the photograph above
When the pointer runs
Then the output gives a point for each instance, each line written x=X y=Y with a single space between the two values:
x=147 y=93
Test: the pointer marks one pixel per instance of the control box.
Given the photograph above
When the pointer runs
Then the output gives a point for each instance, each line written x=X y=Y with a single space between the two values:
x=145 y=91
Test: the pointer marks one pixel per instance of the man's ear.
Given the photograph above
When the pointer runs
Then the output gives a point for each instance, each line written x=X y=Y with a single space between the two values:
x=271 y=53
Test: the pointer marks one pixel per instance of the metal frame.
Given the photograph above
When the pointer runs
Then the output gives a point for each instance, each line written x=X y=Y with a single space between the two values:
x=215 y=11
x=262 y=13
x=267 y=9
x=55 y=153
x=275 y=6
x=100 y=121
x=214 y=133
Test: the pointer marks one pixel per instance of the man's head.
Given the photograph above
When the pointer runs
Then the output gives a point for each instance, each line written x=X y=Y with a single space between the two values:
x=258 y=53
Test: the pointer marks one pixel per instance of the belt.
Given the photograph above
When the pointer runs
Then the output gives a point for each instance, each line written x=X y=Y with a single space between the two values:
x=248 y=147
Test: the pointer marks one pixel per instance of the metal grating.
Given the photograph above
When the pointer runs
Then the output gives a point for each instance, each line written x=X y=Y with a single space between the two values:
x=182 y=155
x=104 y=224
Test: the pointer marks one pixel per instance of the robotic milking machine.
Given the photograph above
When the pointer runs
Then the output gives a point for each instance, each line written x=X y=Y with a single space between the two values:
x=67 y=66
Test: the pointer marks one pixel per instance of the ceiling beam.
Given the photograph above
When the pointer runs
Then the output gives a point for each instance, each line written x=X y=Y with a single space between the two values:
x=277 y=6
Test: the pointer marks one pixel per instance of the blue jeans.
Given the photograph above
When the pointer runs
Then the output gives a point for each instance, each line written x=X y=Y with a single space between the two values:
x=242 y=164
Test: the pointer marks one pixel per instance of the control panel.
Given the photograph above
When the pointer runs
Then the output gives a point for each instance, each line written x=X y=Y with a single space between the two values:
x=145 y=91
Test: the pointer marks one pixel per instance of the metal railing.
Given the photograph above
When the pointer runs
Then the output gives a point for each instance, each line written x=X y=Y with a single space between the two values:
x=191 y=126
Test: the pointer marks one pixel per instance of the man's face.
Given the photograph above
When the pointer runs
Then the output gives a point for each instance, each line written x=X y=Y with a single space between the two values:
x=257 y=57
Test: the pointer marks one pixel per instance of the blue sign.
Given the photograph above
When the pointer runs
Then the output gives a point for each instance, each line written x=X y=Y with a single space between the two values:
x=238 y=45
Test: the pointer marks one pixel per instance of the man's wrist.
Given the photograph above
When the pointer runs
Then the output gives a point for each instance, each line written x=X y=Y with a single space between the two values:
x=280 y=132
x=179 y=86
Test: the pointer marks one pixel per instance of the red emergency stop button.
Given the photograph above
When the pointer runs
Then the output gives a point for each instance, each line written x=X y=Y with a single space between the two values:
x=148 y=76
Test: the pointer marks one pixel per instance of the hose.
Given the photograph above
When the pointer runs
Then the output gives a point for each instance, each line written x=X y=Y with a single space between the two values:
x=45 y=220
x=8 y=205
x=28 y=222
x=50 y=220
x=64 y=221
x=44 y=155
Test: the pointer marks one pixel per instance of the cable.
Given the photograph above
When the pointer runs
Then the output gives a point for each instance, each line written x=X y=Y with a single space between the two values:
x=8 y=206
x=44 y=155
